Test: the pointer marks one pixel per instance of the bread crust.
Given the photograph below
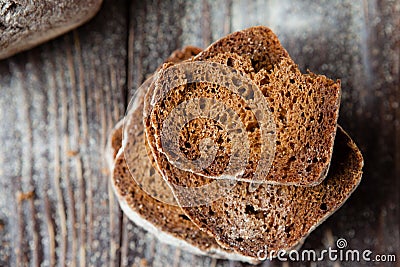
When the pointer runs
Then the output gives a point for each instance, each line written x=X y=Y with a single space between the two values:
x=25 y=25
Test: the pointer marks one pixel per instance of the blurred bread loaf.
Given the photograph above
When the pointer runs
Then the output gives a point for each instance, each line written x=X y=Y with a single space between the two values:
x=25 y=24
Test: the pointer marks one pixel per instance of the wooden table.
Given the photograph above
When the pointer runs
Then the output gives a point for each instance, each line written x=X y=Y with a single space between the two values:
x=59 y=101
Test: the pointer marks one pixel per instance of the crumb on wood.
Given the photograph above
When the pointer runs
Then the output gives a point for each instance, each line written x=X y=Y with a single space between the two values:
x=72 y=153
x=105 y=171
x=143 y=262
x=21 y=196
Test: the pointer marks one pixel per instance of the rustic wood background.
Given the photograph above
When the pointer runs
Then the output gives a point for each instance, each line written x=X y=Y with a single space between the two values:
x=59 y=101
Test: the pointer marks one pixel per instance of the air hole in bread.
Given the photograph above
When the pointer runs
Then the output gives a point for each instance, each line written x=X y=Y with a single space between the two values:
x=250 y=209
x=279 y=192
x=288 y=229
x=210 y=211
x=281 y=117
x=320 y=117
x=264 y=81
x=252 y=126
x=229 y=62
x=323 y=206
x=255 y=64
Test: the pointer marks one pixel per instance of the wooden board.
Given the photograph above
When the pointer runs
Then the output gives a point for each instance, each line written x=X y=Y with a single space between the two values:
x=59 y=101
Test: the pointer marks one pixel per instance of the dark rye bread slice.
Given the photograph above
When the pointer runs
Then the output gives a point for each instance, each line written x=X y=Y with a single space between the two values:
x=116 y=136
x=167 y=222
x=279 y=217
x=304 y=107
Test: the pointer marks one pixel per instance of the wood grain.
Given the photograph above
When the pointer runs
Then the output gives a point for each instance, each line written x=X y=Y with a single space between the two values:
x=62 y=99
x=58 y=103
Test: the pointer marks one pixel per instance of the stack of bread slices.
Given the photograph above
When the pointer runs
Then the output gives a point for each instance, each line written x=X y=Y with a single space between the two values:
x=314 y=168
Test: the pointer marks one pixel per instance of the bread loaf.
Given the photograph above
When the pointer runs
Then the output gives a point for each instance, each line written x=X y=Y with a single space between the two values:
x=25 y=24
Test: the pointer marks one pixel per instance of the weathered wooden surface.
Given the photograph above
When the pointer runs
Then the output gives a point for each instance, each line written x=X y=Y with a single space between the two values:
x=59 y=101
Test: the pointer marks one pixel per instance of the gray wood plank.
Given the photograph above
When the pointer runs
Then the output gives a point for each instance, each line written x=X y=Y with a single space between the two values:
x=58 y=104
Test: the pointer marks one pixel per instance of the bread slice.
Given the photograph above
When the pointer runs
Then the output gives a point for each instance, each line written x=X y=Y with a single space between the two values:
x=25 y=24
x=273 y=217
x=304 y=109
x=279 y=217
x=166 y=221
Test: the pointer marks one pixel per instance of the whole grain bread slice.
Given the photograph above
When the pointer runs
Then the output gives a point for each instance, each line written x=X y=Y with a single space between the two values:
x=166 y=221
x=275 y=217
x=251 y=223
x=304 y=108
